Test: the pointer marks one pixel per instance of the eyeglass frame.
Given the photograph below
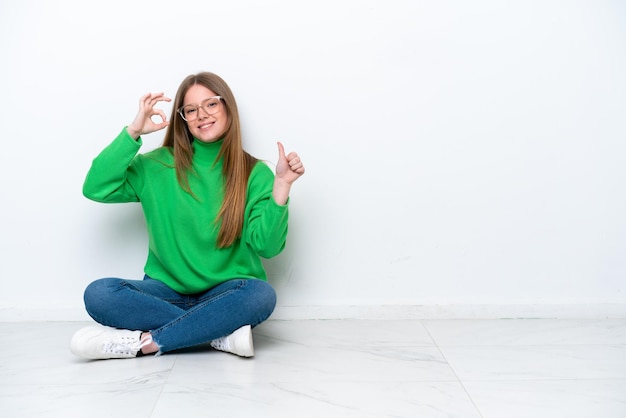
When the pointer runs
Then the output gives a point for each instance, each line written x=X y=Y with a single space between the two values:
x=198 y=107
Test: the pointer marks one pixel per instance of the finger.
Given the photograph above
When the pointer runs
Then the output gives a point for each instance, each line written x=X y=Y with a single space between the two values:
x=295 y=164
x=160 y=97
x=148 y=105
x=150 y=99
x=143 y=102
x=154 y=99
x=293 y=157
x=281 y=151
x=161 y=114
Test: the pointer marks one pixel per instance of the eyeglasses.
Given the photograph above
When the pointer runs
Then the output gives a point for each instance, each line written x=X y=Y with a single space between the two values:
x=190 y=112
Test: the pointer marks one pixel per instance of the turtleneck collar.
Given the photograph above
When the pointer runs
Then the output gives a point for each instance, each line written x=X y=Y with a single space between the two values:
x=206 y=152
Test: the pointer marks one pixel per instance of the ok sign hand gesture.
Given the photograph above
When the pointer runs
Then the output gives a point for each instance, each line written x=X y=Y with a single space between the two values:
x=143 y=123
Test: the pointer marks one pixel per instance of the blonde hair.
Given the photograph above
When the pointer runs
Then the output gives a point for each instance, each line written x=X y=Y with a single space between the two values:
x=237 y=165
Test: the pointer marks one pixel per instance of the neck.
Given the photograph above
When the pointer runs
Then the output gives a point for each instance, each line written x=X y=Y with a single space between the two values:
x=206 y=152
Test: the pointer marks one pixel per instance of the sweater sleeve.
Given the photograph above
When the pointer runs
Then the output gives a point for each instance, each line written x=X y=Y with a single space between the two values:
x=267 y=221
x=113 y=177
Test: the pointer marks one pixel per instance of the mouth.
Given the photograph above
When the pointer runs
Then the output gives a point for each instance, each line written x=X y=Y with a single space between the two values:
x=206 y=125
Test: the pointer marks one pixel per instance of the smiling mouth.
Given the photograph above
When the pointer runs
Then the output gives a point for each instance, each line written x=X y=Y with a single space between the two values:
x=206 y=125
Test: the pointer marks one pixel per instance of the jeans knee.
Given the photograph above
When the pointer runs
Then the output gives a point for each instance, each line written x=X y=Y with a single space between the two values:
x=97 y=294
x=264 y=296
x=271 y=298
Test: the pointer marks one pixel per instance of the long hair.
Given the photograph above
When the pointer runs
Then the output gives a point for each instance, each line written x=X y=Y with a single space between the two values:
x=237 y=165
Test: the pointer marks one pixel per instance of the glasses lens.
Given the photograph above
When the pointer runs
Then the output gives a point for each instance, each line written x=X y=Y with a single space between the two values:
x=211 y=105
x=190 y=112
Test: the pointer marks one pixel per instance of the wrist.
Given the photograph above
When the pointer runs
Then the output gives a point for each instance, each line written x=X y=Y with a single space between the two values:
x=134 y=133
x=281 y=190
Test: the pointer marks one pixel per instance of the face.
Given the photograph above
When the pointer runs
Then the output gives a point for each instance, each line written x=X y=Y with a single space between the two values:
x=206 y=128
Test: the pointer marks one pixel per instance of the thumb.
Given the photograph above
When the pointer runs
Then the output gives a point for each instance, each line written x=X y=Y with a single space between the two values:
x=281 y=151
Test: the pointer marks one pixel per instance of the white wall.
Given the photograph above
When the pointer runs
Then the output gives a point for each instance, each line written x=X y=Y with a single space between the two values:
x=458 y=153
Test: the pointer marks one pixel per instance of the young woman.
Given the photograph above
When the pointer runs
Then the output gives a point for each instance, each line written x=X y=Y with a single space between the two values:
x=212 y=212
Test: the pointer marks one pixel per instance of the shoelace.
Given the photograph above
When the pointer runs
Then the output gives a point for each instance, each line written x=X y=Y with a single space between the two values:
x=220 y=344
x=123 y=347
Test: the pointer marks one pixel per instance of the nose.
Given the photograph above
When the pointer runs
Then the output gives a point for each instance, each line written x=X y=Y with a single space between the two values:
x=203 y=114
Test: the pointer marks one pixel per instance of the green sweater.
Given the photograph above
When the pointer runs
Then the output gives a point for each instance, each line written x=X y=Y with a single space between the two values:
x=181 y=228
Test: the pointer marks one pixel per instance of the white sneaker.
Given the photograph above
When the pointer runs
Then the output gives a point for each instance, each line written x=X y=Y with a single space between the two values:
x=100 y=342
x=239 y=342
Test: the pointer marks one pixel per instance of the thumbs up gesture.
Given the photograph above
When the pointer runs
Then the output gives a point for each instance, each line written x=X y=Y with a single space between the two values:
x=289 y=167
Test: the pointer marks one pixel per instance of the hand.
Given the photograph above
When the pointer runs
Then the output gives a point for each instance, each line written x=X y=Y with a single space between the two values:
x=289 y=167
x=143 y=123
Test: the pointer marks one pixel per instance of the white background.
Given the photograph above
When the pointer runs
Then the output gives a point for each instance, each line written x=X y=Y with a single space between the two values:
x=457 y=152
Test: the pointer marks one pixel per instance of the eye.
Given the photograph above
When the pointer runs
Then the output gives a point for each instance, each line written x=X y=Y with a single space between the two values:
x=190 y=110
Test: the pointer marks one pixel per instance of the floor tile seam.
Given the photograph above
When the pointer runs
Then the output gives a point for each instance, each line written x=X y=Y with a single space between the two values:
x=529 y=377
x=527 y=319
x=371 y=349
x=562 y=379
x=163 y=385
x=83 y=384
x=320 y=399
x=365 y=347
x=458 y=378
x=620 y=345
x=354 y=380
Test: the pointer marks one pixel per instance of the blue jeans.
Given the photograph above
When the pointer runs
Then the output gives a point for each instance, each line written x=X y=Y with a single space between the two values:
x=175 y=320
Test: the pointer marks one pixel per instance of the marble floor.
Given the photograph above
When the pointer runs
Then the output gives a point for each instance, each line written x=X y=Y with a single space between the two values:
x=333 y=368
